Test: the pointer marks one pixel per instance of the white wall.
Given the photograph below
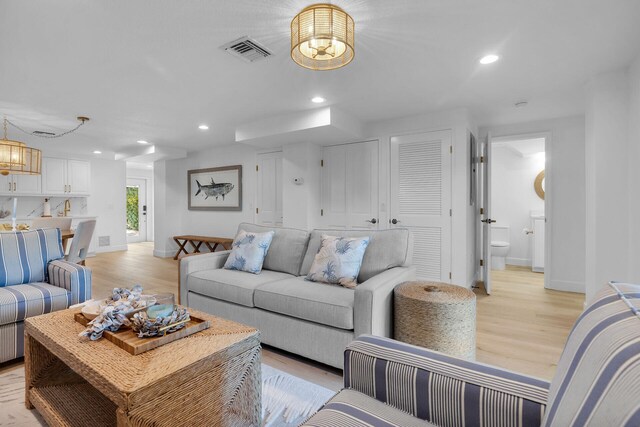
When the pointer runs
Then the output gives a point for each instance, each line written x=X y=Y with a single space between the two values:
x=565 y=197
x=634 y=171
x=172 y=216
x=612 y=160
x=513 y=198
x=108 y=202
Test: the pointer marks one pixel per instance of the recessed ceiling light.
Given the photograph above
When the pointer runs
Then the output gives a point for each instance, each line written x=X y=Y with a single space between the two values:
x=489 y=59
x=97 y=152
x=317 y=100
x=142 y=141
x=203 y=127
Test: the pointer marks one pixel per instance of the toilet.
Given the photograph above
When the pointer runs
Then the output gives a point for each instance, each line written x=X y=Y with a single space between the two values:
x=499 y=246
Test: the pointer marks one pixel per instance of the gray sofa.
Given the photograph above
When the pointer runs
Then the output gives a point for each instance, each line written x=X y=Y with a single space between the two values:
x=314 y=320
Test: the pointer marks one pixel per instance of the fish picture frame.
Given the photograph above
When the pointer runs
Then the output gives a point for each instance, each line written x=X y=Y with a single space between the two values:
x=215 y=189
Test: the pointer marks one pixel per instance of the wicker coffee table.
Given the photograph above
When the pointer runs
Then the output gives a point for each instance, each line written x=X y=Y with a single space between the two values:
x=206 y=379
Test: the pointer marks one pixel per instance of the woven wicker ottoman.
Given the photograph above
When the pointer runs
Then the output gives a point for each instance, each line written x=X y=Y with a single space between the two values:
x=437 y=316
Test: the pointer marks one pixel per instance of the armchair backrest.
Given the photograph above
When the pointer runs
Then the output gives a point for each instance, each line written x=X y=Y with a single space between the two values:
x=24 y=255
x=598 y=377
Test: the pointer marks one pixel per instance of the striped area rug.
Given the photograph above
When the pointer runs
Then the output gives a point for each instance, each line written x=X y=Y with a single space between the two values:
x=287 y=401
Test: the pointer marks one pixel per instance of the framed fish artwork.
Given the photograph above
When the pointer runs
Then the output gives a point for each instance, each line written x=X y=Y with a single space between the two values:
x=215 y=189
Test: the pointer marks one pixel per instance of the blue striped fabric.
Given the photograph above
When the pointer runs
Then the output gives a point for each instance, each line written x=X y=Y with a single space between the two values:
x=24 y=255
x=597 y=382
x=18 y=302
x=442 y=389
x=350 y=408
x=11 y=341
x=72 y=277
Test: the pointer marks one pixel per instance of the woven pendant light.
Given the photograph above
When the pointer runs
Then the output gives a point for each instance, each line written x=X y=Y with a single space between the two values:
x=322 y=37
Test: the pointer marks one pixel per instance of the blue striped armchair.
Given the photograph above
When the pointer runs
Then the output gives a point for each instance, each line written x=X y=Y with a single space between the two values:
x=597 y=383
x=34 y=280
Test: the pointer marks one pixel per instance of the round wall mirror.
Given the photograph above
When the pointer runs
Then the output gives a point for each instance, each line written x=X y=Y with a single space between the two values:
x=538 y=185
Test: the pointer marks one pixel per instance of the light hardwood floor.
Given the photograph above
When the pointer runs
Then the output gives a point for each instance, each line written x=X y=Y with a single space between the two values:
x=521 y=325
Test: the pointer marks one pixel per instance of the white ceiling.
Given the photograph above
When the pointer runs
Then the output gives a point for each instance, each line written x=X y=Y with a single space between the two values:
x=151 y=69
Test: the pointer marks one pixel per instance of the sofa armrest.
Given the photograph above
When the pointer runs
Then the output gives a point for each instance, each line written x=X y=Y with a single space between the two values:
x=72 y=277
x=200 y=262
x=442 y=389
x=373 y=305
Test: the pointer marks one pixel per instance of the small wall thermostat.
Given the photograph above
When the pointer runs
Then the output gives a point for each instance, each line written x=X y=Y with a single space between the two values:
x=298 y=181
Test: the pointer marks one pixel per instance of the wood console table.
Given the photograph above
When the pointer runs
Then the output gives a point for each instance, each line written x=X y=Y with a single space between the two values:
x=197 y=241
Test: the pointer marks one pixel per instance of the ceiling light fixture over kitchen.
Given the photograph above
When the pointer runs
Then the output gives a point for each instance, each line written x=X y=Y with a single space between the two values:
x=17 y=158
x=322 y=37
x=317 y=100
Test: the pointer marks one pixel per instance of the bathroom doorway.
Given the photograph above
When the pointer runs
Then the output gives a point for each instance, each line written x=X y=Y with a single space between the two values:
x=517 y=200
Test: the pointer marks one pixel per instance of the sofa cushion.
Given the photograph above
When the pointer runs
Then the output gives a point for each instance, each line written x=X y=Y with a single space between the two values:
x=287 y=249
x=249 y=251
x=354 y=409
x=24 y=255
x=599 y=370
x=230 y=285
x=18 y=302
x=317 y=302
x=387 y=249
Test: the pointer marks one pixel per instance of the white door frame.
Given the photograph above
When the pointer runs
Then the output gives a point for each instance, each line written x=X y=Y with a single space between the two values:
x=548 y=197
x=149 y=212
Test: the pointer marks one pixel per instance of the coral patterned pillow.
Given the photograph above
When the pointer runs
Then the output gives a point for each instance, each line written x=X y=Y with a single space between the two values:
x=249 y=251
x=338 y=261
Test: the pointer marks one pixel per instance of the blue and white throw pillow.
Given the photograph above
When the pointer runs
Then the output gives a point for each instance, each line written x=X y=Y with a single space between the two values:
x=339 y=260
x=249 y=251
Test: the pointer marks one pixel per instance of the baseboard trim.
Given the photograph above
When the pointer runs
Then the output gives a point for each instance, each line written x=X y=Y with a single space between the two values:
x=566 y=286
x=522 y=262
x=163 y=254
x=115 y=248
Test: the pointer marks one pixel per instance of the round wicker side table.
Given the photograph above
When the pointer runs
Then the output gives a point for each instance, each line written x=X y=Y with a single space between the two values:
x=437 y=316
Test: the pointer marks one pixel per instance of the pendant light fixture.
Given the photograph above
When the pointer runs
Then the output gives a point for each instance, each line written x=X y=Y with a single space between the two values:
x=17 y=158
x=322 y=37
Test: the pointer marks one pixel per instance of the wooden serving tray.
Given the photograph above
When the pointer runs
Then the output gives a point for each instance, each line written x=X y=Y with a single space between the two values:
x=129 y=341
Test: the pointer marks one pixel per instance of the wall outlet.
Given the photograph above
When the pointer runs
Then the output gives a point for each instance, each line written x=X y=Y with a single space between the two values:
x=104 y=240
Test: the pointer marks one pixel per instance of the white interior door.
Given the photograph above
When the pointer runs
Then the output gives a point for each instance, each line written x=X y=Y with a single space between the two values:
x=136 y=210
x=485 y=217
x=420 y=196
x=350 y=186
x=269 y=197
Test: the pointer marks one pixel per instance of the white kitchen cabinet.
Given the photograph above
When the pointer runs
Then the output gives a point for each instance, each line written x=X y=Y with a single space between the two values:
x=79 y=176
x=27 y=184
x=54 y=176
x=65 y=177
x=20 y=185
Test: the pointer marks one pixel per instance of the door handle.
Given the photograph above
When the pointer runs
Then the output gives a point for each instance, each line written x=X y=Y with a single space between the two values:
x=394 y=221
x=488 y=221
x=372 y=220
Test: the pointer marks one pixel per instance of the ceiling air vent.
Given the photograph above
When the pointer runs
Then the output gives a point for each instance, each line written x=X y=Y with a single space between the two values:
x=246 y=49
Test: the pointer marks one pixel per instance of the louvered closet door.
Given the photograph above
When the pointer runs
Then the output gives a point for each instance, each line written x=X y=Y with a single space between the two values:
x=269 y=208
x=350 y=186
x=421 y=198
